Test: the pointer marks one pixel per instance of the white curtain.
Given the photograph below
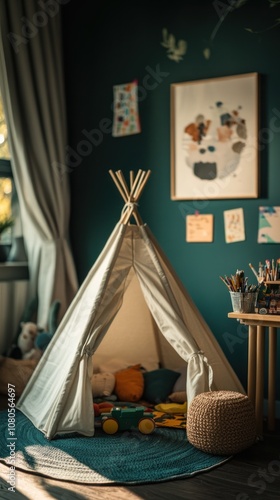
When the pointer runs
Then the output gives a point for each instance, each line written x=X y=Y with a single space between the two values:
x=32 y=86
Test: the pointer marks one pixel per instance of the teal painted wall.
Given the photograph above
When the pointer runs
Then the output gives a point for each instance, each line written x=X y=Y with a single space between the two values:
x=117 y=42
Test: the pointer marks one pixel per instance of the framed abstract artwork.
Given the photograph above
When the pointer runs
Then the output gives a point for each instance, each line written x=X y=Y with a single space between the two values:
x=214 y=138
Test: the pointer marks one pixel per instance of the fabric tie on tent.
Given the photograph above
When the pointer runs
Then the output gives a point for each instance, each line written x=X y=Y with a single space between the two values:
x=205 y=360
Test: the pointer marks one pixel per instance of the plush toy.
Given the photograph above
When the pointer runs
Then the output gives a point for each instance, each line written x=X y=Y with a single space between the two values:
x=26 y=340
x=102 y=384
x=29 y=315
x=31 y=339
x=42 y=340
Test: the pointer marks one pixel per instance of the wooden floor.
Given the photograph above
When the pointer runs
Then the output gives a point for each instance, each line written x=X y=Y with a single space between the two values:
x=252 y=474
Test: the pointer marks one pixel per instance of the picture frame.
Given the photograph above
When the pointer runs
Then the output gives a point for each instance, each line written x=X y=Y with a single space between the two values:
x=214 y=138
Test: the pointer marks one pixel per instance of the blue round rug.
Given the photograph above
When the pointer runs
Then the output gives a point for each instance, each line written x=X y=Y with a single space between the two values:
x=127 y=457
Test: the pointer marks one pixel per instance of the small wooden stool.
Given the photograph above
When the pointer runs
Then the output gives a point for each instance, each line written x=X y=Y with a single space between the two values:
x=221 y=422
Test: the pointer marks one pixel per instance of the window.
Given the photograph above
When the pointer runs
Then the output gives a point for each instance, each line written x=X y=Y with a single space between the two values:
x=4 y=146
x=6 y=206
x=6 y=180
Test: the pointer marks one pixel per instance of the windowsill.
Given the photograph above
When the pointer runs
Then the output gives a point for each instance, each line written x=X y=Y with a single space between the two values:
x=14 y=271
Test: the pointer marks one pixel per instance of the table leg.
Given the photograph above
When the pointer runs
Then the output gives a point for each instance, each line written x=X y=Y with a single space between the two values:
x=272 y=349
x=260 y=378
x=251 y=380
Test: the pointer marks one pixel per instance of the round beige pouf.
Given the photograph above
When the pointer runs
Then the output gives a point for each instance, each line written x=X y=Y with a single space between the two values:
x=221 y=422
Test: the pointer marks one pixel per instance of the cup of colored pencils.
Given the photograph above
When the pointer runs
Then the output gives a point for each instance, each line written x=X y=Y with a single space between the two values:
x=243 y=296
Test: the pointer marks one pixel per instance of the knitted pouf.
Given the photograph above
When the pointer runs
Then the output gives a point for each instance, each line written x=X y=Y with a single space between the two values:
x=221 y=422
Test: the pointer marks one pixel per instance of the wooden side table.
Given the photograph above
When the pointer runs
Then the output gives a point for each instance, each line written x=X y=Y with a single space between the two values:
x=256 y=359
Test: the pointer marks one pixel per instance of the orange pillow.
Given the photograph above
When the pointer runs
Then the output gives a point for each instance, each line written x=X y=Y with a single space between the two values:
x=129 y=384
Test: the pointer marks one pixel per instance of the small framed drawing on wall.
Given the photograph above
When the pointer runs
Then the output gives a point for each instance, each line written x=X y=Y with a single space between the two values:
x=214 y=138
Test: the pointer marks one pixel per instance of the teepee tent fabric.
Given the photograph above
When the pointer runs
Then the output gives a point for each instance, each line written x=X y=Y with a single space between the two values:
x=58 y=397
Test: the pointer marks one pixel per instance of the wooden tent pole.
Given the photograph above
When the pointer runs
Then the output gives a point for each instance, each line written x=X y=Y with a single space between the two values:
x=139 y=184
x=131 y=179
x=123 y=184
x=118 y=185
x=148 y=173
x=135 y=184
x=131 y=197
x=130 y=210
x=136 y=188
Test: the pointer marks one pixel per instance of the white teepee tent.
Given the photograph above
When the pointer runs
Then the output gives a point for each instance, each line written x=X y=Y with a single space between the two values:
x=58 y=397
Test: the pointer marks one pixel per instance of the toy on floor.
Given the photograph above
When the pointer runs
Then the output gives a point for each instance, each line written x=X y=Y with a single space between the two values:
x=104 y=407
x=122 y=419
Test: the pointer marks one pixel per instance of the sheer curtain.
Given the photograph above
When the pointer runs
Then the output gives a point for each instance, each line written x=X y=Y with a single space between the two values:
x=32 y=86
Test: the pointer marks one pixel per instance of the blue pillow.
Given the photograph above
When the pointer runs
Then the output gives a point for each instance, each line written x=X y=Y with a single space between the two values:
x=158 y=384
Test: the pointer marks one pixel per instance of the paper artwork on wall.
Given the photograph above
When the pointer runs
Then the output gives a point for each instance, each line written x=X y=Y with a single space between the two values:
x=126 y=119
x=175 y=51
x=269 y=225
x=199 y=228
x=234 y=225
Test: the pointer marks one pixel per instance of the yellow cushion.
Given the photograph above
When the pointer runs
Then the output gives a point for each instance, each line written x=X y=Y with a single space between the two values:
x=129 y=384
x=172 y=408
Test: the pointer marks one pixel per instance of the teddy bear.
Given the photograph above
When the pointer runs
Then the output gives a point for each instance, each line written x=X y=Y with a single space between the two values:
x=26 y=340
x=32 y=340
